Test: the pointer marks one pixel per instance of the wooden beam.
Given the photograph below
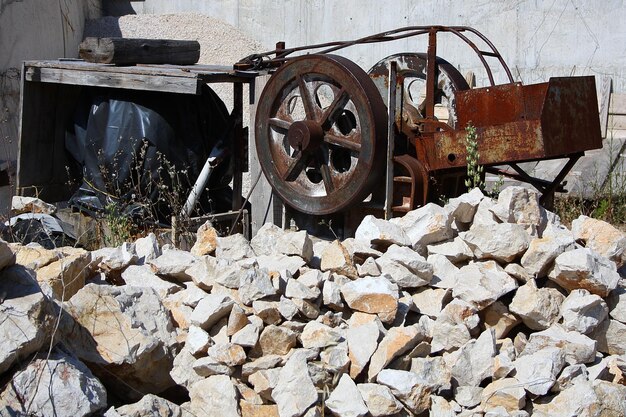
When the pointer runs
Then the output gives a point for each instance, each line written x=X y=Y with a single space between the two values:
x=123 y=51
x=169 y=84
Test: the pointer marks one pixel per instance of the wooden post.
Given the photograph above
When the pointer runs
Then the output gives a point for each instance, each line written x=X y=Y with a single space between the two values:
x=265 y=205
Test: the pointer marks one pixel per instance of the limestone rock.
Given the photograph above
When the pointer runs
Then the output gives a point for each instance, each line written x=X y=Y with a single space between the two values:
x=211 y=309
x=25 y=316
x=295 y=243
x=431 y=301
x=405 y=267
x=455 y=250
x=407 y=387
x=520 y=205
x=611 y=398
x=173 y=263
x=296 y=289
x=396 y=342
x=542 y=252
x=67 y=275
x=578 y=348
x=268 y=311
x=570 y=375
x=482 y=283
x=498 y=317
x=294 y=393
x=577 y=400
x=346 y=400
x=602 y=238
x=362 y=343
x=505 y=393
x=114 y=259
x=335 y=258
x=318 y=335
x=381 y=232
x=142 y=276
x=264 y=381
x=125 y=333
x=331 y=295
x=249 y=409
x=475 y=360
x=182 y=371
x=376 y=295
x=32 y=256
x=57 y=385
x=214 y=396
x=147 y=248
x=468 y=397
x=434 y=372
x=463 y=207
x=276 y=340
x=584 y=269
x=511 y=242
x=538 y=308
x=149 y=405
x=203 y=272
x=264 y=242
x=379 y=399
x=206 y=240
x=538 y=371
x=198 y=340
x=484 y=216
x=452 y=327
x=426 y=225
x=229 y=354
x=20 y=205
x=247 y=337
x=583 y=311
x=518 y=272
x=254 y=285
x=444 y=271
x=233 y=248
x=611 y=337
x=617 y=304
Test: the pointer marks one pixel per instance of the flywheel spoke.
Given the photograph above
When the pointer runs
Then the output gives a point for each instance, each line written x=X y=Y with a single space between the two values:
x=327 y=178
x=341 y=142
x=340 y=100
x=295 y=166
x=307 y=100
x=279 y=123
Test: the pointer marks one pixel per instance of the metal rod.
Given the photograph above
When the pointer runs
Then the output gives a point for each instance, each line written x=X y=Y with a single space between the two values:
x=391 y=134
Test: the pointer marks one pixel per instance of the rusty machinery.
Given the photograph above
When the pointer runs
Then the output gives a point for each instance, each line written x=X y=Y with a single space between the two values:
x=331 y=137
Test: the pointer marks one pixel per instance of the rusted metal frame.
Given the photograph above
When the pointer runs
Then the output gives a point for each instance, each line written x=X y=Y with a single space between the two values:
x=391 y=134
x=281 y=54
x=238 y=144
x=538 y=183
x=547 y=196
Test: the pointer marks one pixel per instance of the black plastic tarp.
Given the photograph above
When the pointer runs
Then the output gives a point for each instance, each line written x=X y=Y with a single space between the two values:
x=143 y=150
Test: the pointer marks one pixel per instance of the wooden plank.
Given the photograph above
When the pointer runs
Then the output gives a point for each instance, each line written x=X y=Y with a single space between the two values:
x=207 y=73
x=177 y=71
x=618 y=104
x=125 y=51
x=603 y=103
x=265 y=205
x=114 y=80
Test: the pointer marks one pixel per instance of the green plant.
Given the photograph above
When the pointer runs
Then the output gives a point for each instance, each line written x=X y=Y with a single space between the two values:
x=475 y=178
x=474 y=170
x=119 y=226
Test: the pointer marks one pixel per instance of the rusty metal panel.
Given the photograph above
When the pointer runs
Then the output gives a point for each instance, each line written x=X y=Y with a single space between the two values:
x=570 y=119
x=520 y=123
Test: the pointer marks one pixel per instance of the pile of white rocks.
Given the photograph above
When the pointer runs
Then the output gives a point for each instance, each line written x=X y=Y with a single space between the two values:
x=478 y=308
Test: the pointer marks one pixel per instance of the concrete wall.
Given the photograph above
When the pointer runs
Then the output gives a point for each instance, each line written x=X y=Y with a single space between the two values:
x=34 y=29
x=537 y=38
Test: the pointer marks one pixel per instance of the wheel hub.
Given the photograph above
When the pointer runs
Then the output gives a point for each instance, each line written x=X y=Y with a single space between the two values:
x=305 y=136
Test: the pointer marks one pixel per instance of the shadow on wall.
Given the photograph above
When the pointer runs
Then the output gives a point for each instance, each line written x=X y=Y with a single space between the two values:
x=117 y=8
